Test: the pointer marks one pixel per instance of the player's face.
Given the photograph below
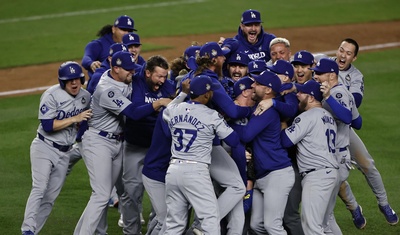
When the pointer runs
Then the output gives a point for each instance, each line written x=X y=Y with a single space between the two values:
x=73 y=86
x=302 y=73
x=156 y=78
x=251 y=31
x=258 y=91
x=135 y=51
x=345 y=55
x=303 y=100
x=321 y=77
x=280 y=52
x=125 y=76
x=237 y=71
x=118 y=34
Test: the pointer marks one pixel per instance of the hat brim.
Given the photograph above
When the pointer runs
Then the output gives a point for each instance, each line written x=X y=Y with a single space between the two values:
x=191 y=63
x=134 y=66
x=252 y=21
x=125 y=28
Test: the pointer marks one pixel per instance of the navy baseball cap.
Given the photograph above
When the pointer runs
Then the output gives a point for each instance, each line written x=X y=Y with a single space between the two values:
x=282 y=67
x=124 y=60
x=115 y=48
x=303 y=57
x=213 y=50
x=311 y=87
x=269 y=79
x=239 y=58
x=131 y=39
x=201 y=84
x=326 y=65
x=125 y=22
x=191 y=51
x=242 y=84
x=257 y=66
x=251 y=16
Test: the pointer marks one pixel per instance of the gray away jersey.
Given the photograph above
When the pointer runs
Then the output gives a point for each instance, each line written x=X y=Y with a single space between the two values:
x=352 y=78
x=56 y=103
x=314 y=132
x=108 y=101
x=193 y=128
x=346 y=99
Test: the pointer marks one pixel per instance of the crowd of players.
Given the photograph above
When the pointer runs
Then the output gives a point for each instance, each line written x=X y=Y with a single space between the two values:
x=238 y=130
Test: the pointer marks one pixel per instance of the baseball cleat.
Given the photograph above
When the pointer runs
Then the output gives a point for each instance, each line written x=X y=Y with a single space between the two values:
x=389 y=214
x=121 y=222
x=142 y=221
x=27 y=233
x=358 y=218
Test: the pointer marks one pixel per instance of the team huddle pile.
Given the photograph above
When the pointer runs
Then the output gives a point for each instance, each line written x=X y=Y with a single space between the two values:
x=252 y=139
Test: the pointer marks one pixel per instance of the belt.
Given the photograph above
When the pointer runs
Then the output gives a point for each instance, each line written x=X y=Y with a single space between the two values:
x=304 y=173
x=342 y=149
x=174 y=160
x=62 y=148
x=113 y=136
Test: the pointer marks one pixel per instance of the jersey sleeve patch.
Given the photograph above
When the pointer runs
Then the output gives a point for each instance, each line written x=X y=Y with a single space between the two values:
x=44 y=109
x=297 y=120
x=339 y=95
x=83 y=100
x=110 y=94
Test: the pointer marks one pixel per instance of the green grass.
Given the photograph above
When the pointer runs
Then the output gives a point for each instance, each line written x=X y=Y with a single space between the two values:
x=64 y=38
x=380 y=110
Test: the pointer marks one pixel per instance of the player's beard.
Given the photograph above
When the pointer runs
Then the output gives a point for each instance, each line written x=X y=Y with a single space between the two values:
x=303 y=104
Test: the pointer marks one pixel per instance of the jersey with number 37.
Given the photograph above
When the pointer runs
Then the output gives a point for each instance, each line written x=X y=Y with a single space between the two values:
x=193 y=127
x=314 y=132
x=108 y=101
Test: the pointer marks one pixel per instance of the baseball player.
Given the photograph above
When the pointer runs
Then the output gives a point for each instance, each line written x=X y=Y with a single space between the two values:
x=340 y=103
x=97 y=50
x=134 y=46
x=280 y=50
x=353 y=79
x=105 y=65
x=150 y=92
x=193 y=126
x=251 y=38
x=271 y=161
x=317 y=164
x=62 y=107
x=223 y=168
x=302 y=61
x=102 y=142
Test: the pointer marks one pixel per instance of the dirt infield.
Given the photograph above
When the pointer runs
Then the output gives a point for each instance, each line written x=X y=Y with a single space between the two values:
x=314 y=39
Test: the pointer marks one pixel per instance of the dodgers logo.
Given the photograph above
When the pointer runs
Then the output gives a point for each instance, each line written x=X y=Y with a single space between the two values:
x=44 y=109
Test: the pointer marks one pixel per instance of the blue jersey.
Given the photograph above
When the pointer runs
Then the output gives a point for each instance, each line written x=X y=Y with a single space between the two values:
x=258 y=51
x=264 y=132
x=96 y=50
x=140 y=130
x=157 y=158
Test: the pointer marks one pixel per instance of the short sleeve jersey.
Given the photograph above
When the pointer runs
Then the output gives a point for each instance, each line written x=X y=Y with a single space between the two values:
x=56 y=103
x=346 y=99
x=314 y=132
x=193 y=127
x=108 y=101
x=352 y=78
